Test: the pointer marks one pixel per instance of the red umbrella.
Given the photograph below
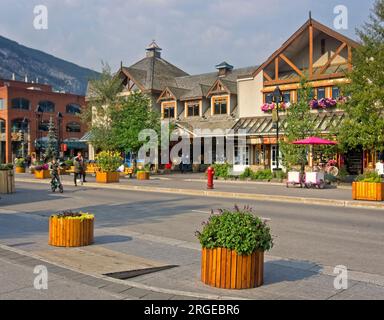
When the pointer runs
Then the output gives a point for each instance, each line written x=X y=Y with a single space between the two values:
x=315 y=141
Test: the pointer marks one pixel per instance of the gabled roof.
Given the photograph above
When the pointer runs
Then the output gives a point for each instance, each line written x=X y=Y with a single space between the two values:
x=198 y=86
x=316 y=25
x=229 y=86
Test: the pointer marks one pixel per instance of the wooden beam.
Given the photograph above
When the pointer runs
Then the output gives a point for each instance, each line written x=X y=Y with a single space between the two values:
x=350 y=58
x=266 y=76
x=326 y=66
x=310 y=50
x=277 y=68
x=315 y=77
x=291 y=64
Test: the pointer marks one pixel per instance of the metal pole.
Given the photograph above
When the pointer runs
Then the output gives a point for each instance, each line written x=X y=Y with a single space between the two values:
x=277 y=137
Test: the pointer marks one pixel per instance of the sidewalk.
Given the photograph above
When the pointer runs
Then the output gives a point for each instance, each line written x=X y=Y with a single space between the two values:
x=194 y=185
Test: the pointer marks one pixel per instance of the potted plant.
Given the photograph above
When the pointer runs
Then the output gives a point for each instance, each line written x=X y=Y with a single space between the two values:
x=233 y=245
x=368 y=186
x=71 y=229
x=108 y=162
x=143 y=174
x=7 y=179
x=20 y=165
x=42 y=171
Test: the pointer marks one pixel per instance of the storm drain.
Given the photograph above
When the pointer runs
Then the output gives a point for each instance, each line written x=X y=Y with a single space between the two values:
x=125 y=275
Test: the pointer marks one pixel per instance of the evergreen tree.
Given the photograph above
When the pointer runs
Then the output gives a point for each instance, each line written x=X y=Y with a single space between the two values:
x=52 y=147
x=363 y=127
x=299 y=125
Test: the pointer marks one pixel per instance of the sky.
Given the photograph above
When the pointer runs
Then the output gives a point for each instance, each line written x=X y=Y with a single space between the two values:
x=195 y=35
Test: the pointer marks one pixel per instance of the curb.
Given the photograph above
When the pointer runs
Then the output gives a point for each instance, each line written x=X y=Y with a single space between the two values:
x=125 y=282
x=230 y=195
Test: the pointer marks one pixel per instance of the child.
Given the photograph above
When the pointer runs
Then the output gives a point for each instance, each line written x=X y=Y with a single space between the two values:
x=54 y=167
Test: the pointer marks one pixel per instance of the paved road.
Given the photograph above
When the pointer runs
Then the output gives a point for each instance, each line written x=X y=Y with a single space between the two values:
x=196 y=182
x=310 y=235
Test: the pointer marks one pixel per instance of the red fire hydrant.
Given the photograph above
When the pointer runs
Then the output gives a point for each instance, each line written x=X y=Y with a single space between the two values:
x=210 y=174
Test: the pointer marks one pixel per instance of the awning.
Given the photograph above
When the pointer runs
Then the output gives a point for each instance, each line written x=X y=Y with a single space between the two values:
x=265 y=127
x=71 y=144
x=87 y=137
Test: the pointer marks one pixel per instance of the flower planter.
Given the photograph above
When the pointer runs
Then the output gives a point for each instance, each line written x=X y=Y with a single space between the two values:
x=70 y=232
x=368 y=191
x=20 y=170
x=143 y=176
x=42 y=174
x=107 y=177
x=225 y=269
x=7 y=181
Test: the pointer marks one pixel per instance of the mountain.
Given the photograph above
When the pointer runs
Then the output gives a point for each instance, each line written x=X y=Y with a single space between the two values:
x=60 y=74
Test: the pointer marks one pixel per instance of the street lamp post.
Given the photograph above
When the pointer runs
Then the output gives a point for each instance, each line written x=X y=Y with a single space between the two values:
x=277 y=98
x=39 y=115
x=59 y=132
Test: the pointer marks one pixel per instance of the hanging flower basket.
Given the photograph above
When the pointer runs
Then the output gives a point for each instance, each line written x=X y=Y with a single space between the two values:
x=269 y=107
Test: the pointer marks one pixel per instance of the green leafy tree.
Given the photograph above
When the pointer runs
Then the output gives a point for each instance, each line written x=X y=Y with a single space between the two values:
x=363 y=127
x=104 y=98
x=52 y=147
x=299 y=125
x=133 y=115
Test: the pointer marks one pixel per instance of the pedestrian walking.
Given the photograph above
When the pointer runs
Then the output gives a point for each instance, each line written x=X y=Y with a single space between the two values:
x=79 y=164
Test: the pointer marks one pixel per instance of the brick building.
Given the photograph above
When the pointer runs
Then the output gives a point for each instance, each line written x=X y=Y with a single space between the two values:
x=25 y=111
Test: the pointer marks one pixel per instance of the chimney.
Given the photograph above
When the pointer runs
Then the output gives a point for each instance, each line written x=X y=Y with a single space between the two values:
x=13 y=76
x=37 y=79
x=26 y=78
x=224 y=68
x=153 y=50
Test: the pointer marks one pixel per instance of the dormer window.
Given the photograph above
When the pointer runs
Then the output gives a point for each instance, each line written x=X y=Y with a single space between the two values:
x=168 y=110
x=193 y=109
x=220 y=105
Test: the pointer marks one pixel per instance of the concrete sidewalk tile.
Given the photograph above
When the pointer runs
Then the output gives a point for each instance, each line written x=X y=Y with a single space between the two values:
x=116 y=288
x=135 y=292
x=157 y=296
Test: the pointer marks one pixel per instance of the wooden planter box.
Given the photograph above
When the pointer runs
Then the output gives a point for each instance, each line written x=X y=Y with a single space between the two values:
x=225 y=269
x=70 y=232
x=142 y=176
x=368 y=191
x=7 y=181
x=107 y=177
x=42 y=174
x=20 y=170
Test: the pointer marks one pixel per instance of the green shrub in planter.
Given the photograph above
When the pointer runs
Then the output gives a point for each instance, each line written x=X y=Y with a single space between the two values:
x=370 y=176
x=222 y=170
x=20 y=162
x=7 y=166
x=263 y=175
x=237 y=230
